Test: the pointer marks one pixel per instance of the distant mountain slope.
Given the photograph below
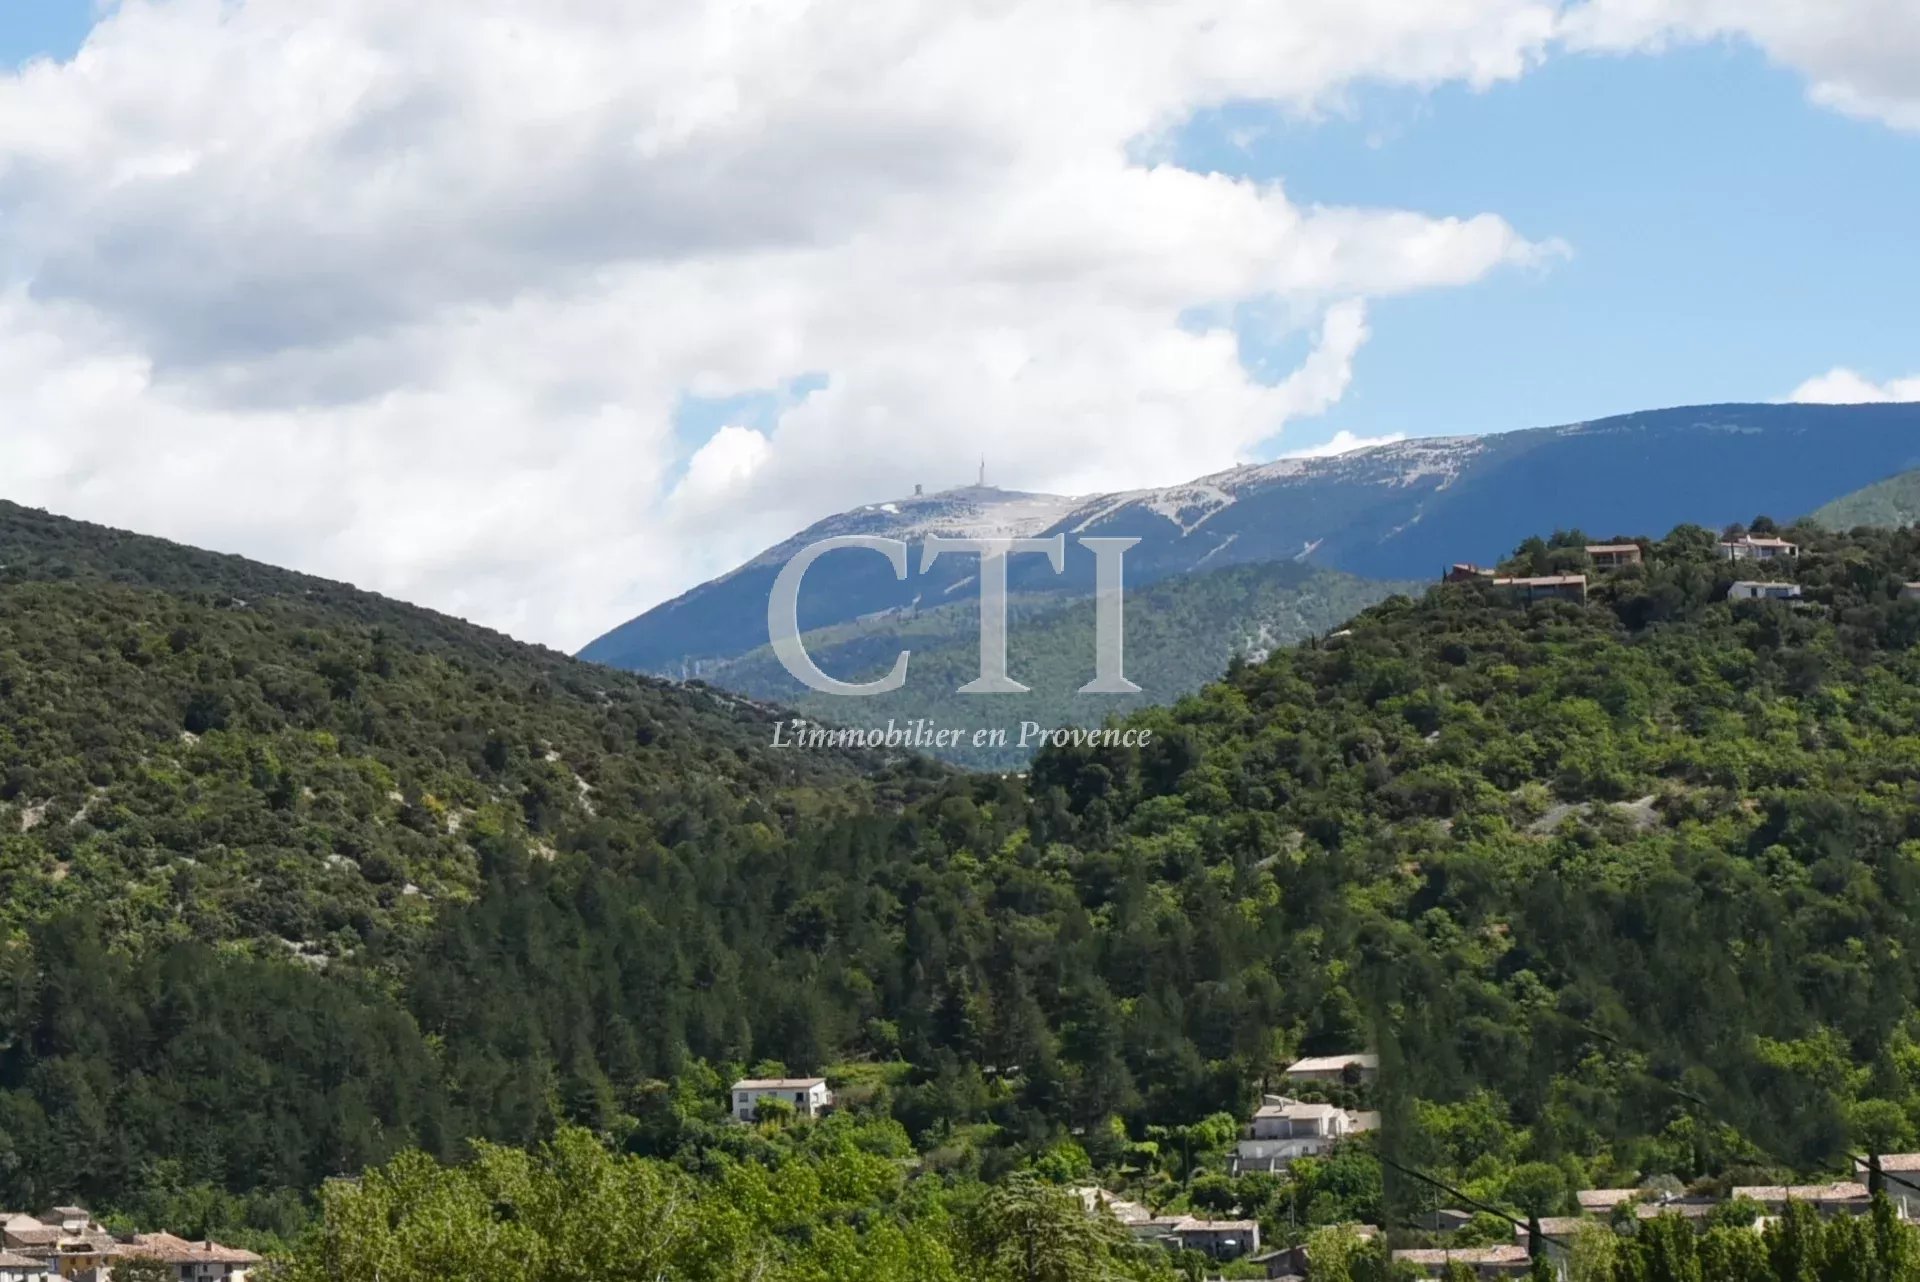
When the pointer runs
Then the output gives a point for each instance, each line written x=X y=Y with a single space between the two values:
x=1180 y=633
x=1888 y=504
x=728 y=616
x=1394 y=512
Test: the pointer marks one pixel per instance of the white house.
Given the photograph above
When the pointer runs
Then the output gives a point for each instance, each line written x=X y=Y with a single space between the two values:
x=808 y=1095
x=1749 y=547
x=1283 y=1129
x=1334 y=1069
x=1747 y=590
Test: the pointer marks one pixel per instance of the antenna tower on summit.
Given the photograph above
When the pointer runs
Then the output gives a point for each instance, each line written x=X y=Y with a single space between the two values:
x=983 y=471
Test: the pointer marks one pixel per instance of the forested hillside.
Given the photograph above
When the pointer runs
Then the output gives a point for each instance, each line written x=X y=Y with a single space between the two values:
x=1619 y=892
x=1887 y=504
x=239 y=807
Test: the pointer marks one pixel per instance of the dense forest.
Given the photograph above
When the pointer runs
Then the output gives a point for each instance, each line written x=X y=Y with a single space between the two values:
x=295 y=881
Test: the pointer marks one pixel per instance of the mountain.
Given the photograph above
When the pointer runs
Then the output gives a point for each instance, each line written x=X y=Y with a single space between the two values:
x=1888 y=504
x=1181 y=633
x=1401 y=511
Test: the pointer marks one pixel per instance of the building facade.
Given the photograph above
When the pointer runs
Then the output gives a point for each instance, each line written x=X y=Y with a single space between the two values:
x=808 y=1096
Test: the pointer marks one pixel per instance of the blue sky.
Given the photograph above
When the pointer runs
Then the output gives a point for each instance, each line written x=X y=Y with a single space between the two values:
x=421 y=314
x=36 y=28
x=1729 y=239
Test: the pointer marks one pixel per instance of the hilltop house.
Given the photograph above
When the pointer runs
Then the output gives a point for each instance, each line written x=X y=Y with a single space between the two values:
x=1283 y=1129
x=1749 y=590
x=808 y=1095
x=1548 y=587
x=1750 y=547
x=1465 y=572
x=1334 y=1069
x=1608 y=556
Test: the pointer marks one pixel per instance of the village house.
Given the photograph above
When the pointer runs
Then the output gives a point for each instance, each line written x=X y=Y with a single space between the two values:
x=1275 y=1265
x=1094 y=1200
x=1283 y=1129
x=1485 y=1261
x=25 y=1234
x=1465 y=572
x=1900 y=1180
x=1557 y=1233
x=809 y=1096
x=1296 y=1261
x=1548 y=587
x=1334 y=1069
x=19 y=1268
x=1750 y=547
x=1843 y=1198
x=1696 y=1209
x=1747 y=590
x=193 y=1261
x=72 y=1219
x=1601 y=1202
x=1608 y=556
x=1221 y=1239
x=68 y=1244
x=66 y=1241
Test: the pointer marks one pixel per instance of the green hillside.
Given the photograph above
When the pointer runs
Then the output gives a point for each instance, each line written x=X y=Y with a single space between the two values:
x=1180 y=634
x=200 y=747
x=1888 y=504
x=1620 y=892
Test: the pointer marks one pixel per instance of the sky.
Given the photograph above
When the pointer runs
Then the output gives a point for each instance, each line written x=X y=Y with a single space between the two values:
x=543 y=311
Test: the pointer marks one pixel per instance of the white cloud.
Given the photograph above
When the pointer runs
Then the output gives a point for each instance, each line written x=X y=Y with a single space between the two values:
x=407 y=294
x=1344 y=442
x=1842 y=386
x=1861 y=57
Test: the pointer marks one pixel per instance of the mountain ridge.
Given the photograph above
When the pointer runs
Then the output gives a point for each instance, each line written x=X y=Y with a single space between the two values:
x=1399 y=510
